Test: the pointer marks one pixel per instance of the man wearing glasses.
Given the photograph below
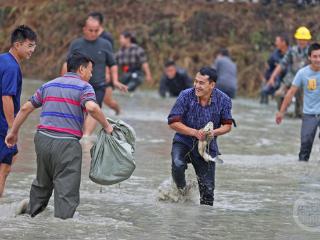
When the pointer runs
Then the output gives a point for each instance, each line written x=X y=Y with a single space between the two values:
x=23 y=44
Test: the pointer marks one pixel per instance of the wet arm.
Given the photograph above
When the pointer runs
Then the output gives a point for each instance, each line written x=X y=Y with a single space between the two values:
x=146 y=69
x=95 y=111
x=183 y=129
x=288 y=98
x=222 y=130
x=22 y=115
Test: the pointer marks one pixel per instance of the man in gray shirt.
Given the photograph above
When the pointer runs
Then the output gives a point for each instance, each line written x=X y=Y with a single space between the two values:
x=227 y=73
x=100 y=51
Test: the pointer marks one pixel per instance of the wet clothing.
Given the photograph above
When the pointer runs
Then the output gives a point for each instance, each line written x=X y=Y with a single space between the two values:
x=6 y=154
x=227 y=75
x=182 y=155
x=59 y=153
x=59 y=168
x=130 y=61
x=107 y=36
x=273 y=61
x=63 y=104
x=100 y=51
x=174 y=86
x=188 y=110
x=10 y=85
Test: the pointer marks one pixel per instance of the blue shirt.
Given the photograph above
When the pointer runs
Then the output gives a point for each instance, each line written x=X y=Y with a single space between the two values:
x=188 y=110
x=309 y=80
x=10 y=85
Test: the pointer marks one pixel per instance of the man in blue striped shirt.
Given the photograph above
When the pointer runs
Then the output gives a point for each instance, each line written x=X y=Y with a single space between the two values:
x=64 y=102
x=194 y=108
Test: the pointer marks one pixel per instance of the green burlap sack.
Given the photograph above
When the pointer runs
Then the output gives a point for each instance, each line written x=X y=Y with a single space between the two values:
x=112 y=158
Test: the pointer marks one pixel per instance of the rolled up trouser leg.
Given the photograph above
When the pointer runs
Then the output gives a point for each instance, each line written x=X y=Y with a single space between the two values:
x=67 y=177
x=179 y=163
x=41 y=188
x=308 y=132
x=206 y=178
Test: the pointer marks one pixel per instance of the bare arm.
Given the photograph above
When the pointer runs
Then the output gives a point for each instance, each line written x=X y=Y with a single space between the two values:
x=64 y=69
x=146 y=69
x=183 y=129
x=287 y=100
x=274 y=75
x=221 y=130
x=22 y=115
x=8 y=109
x=115 y=79
x=95 y=111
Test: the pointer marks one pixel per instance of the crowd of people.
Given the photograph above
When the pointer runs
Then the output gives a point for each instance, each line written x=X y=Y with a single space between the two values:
x=71 y=106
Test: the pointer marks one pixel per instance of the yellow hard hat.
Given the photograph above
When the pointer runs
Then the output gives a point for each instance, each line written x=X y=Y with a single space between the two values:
x=302 y=33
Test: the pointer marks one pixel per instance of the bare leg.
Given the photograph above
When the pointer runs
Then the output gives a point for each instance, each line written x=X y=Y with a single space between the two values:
x=89 y=126
x=5 y=169
x=110 y=102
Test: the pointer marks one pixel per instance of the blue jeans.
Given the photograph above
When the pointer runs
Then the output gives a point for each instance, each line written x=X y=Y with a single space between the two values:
x=182 y=155
x=310 y=123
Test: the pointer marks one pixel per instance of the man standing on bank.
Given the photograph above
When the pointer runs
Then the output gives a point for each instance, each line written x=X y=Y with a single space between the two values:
x=308 y=79
x=193 y=109
x=23 y=44
x=63 y=103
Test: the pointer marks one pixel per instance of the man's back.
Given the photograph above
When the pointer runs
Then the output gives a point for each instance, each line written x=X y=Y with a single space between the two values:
x=227 y=72
x=62 y=101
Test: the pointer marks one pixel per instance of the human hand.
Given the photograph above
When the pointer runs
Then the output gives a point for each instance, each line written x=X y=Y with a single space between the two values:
x=123 y=88
x=279 y=117
x=108 y=129
x=200 y=134
x=11 y=139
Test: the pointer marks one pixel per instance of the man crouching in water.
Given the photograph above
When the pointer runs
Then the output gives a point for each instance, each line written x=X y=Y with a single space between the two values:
x=194 y=108
x=64 y=102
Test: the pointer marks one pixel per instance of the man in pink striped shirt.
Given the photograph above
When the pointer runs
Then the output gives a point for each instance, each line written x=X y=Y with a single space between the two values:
x=64 y=101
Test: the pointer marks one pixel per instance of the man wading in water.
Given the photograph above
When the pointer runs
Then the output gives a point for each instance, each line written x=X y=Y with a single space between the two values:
x=64 y=102
x=194 y=108
x=307 y=78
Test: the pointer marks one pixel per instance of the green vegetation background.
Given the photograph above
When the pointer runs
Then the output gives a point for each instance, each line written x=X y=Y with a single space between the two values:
x=189 y=31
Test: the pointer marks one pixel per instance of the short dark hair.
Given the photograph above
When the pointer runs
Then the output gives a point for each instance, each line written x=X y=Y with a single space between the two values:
x=75 y=60
x=130 y=35
x=96 y=15
x=22 y=33
x=224 y=52
x=284 y=37
x=313 y=47
x=210 y=72
x=169 y=63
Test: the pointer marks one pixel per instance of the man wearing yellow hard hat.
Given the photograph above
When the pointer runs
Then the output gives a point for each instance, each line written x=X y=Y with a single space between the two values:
x=293 y=60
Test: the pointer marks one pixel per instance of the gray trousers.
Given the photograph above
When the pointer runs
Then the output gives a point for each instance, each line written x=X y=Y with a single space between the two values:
x=310 y=123
x=58 y=169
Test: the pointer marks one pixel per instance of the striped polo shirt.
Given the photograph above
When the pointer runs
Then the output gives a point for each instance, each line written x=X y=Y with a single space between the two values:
x=63 y=105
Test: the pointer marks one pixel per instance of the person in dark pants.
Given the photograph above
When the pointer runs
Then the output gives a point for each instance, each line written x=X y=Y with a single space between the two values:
x=64 y=102
x=194 y=108
x=307 y=78
x=282 y=44
x=174 y=80
x=132 y=61
x=23 y=44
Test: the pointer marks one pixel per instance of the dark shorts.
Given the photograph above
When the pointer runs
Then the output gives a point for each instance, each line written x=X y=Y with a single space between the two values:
x=100 y=92
x=6 y=154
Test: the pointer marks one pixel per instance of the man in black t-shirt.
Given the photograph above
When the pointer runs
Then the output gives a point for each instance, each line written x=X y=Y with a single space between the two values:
x=100 y=51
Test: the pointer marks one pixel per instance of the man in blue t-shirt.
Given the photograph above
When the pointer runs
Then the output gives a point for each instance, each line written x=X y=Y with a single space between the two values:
x=23 y=43
x=307 y=78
